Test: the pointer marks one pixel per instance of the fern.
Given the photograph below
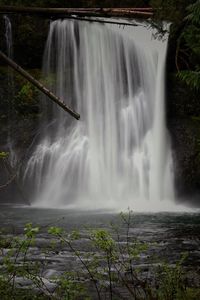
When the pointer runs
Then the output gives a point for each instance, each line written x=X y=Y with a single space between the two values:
x=190 y=38
x=191 y=78
x=194 y=13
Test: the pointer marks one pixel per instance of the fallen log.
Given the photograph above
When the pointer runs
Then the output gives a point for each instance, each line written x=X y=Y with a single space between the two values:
x=39 y=85
x=88 y=12
x=100 y=20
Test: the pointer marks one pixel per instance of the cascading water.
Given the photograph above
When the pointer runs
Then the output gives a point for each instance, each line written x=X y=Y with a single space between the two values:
x=118 y=155
x=9 y=50
x=8 y=36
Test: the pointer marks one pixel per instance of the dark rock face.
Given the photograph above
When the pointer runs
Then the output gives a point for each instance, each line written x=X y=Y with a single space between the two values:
x=19 y=101
x=29 y=37
x=183 y=120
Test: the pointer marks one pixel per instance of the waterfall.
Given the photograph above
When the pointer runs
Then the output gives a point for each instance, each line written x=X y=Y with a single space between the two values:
x=9 y=50
x=118 y=155
x=8 y=36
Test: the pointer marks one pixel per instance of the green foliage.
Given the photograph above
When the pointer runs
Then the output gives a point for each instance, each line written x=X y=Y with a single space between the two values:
x=4 y=155
x=22 y=99
x=191 y=36
x=173 y=284
x=26 y=92
x=172 y=281
x=75 y=235
x=55 y=230
x=69 y=288
x=188 y=48
x=194 y=13
x=170 y=10
x=15 y=264
x=102 y=240
x=26 y=99
x=185 y=18
x=108 y=266
x=30 y=231
x=191 y=78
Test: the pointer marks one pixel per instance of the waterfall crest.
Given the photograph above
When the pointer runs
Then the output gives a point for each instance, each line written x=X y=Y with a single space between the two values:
x=119 y=154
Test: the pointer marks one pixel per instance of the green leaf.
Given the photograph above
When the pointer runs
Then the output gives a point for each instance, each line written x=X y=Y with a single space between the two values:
x=4 y=154
x=55 y=230
x=191 y=78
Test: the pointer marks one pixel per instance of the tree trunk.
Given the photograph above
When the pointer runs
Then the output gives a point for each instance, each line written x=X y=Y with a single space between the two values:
x=39 y=85
x=90 y=12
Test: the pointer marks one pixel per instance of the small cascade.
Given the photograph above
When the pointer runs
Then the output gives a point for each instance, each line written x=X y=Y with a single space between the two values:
x=118 y=155
x=8 y=36
x=9 y=50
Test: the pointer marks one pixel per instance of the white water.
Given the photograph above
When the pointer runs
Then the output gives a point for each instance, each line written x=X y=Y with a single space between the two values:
x=8 y=36
x=119 y=154
x=9 y=52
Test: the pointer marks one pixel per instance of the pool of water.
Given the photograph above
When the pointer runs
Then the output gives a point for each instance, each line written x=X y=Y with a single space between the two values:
x=168 y=234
